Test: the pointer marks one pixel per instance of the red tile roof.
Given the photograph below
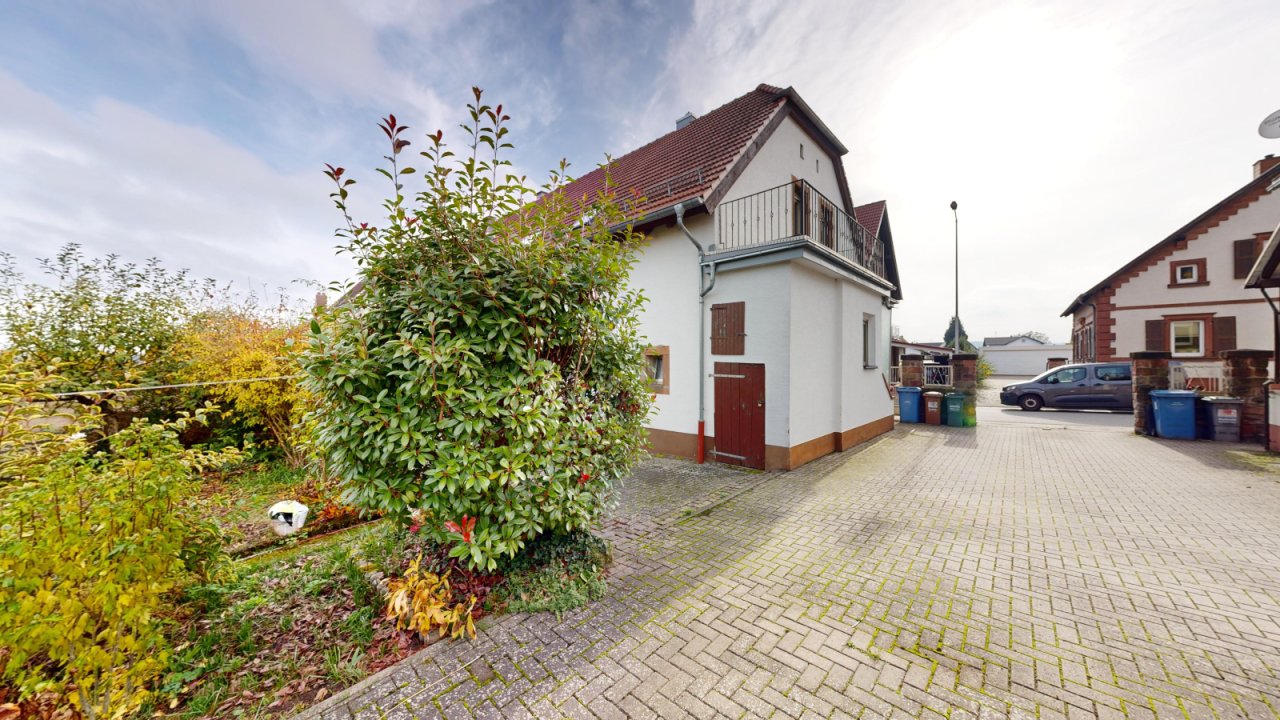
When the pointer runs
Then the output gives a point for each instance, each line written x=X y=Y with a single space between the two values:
x=870 y=215
x=689 y=162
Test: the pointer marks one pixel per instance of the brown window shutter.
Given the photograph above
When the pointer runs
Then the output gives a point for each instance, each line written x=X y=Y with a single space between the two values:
x=1157 y=339
x=1245 y=252
x=728 y=328
x=1224 y=334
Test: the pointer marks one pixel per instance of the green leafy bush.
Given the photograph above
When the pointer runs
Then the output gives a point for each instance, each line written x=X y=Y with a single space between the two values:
x=91 y=546
x=555 y=573
x=486 y=379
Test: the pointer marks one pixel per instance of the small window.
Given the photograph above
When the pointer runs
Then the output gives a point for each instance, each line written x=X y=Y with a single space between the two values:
x=868 y=342
x=1187 y=273
x=656 y=368
x=1114 y=373
x=1186 y=337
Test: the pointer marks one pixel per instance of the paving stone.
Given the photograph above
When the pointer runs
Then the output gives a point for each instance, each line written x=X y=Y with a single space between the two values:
x=1003 y=572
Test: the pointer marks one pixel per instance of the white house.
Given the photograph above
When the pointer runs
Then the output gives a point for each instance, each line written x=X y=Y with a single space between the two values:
x=769 y=304
x=1021 y=354
x=1186 y=293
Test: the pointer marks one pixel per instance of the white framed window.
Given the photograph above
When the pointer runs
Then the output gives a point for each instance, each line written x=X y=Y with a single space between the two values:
x=1187 y=273
x=1186 y=338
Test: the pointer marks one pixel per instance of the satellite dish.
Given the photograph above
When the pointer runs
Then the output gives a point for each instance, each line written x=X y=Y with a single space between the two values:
x=1270 y=127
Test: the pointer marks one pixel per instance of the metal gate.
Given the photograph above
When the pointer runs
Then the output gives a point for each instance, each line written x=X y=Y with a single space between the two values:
x=739 y=437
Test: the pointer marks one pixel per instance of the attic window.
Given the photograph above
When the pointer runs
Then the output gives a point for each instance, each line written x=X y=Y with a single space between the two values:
x=1187 y=273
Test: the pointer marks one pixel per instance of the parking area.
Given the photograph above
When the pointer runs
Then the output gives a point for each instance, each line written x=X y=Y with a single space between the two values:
x=1012 y=570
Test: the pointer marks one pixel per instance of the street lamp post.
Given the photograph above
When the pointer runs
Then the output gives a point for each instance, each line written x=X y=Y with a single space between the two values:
x=955 y=330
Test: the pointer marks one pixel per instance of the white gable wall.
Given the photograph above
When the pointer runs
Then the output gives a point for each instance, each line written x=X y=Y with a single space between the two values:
x=1151 y=287
x=779 y=160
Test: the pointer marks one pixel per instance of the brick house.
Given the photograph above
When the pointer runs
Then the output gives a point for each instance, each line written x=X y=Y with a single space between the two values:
x=1186 y=295
x=769 y=292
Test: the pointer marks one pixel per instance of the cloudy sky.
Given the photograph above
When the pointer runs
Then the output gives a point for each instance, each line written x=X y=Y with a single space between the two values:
x=1073 y=134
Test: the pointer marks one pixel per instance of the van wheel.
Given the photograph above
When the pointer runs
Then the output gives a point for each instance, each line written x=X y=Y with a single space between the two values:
x=1031 y=402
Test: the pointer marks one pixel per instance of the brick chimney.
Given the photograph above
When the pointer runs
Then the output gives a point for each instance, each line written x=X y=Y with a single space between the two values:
x=1265 y=164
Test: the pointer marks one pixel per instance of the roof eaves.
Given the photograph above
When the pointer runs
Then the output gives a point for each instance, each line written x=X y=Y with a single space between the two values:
x=794 y=97
x=1082 y=299
x=733 y=170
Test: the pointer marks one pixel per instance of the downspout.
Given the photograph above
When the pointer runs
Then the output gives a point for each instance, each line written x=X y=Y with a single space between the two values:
x=703 y=288
x=1093 y=318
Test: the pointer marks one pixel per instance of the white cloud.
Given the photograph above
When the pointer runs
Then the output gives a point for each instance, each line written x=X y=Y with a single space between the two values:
x=1073 y=136
x=117 y=179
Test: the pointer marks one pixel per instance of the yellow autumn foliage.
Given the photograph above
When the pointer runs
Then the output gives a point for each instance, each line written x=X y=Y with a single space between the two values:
x=422 y=601
x=232 y=344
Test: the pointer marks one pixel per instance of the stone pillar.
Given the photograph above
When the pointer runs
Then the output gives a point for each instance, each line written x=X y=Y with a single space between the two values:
x=1245 y=377
x=964 y=373
x=1150 y=372
x=1052 y=363
x=912 y=371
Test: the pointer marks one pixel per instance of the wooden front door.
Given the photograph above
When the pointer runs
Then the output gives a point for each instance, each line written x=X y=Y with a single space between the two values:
x=739 y=435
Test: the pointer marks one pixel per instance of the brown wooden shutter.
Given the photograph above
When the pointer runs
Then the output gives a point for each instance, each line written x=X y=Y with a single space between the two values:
x=1224 y=334
x=1244 y=252
x=1157 y=339
x=728 y=328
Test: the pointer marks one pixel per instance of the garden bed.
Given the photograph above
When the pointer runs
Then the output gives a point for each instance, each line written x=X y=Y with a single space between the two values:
x=288 y=628
x=238 y=501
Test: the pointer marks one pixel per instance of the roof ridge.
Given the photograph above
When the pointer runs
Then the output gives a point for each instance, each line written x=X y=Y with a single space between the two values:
x=696 y=120
x=1179 y=233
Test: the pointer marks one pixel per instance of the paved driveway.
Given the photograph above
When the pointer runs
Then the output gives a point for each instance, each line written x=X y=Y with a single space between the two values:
x=1023 y=571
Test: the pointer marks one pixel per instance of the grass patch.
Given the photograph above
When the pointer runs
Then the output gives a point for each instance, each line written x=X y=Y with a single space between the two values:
x=1256 y=460
x=238 y=501
x=555 y=573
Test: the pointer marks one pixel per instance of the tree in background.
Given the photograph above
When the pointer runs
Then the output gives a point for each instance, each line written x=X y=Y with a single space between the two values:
x=487 y=379
x=948 y=338
x=108 y=323
x=1034 y=335
x=242 y=342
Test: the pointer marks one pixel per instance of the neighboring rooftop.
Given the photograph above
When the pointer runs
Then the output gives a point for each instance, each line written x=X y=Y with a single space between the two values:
x=1005 y=340
x=870 y=215
x=1265 y=172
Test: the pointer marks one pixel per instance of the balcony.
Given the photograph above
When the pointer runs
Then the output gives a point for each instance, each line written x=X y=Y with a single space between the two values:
x=792 y=212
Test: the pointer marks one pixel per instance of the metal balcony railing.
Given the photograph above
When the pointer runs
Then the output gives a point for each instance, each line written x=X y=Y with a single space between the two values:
x=792 y=211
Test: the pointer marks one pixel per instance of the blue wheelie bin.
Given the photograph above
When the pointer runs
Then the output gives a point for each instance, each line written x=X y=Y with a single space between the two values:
x=1175 y=413
x=909 y=404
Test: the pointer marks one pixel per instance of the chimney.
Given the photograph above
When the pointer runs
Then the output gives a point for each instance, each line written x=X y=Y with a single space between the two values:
x=1265 y=164
x=322 y=301
x=685 y=120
